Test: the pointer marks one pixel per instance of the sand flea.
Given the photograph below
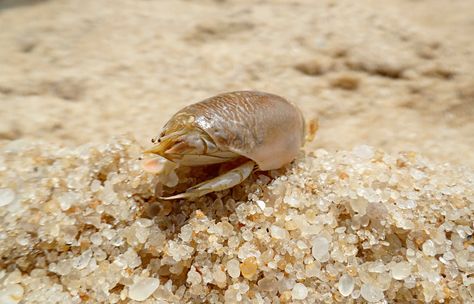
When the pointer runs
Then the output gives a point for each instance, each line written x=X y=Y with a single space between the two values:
x=253 y=129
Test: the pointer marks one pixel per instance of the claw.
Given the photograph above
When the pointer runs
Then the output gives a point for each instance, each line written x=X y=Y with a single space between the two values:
x=158 y=165
x=221 y=182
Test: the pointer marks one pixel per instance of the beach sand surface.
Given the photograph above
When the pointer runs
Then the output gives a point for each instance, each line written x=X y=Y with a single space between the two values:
x=379 y=207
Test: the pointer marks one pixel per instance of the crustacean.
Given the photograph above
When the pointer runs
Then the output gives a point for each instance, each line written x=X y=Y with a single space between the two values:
x=263 y=130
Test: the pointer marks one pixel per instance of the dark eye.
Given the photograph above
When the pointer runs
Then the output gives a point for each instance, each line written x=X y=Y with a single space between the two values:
x=153 y=140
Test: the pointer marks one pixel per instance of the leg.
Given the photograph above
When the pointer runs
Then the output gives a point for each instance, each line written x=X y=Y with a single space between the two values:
x=312 y=128
x=221 y=182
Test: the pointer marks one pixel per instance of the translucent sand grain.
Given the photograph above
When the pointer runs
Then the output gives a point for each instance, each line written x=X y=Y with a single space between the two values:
x=83 y=226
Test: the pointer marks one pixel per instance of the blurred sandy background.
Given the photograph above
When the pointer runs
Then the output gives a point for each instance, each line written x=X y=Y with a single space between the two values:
x=398 y=75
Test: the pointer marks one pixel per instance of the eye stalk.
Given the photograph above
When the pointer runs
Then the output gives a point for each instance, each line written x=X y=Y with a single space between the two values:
x=156 y=140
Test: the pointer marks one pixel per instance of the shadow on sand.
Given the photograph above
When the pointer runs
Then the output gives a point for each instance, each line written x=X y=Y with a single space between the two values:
x=6 y=4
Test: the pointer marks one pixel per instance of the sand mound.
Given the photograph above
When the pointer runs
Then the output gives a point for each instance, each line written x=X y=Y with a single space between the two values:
x=82 y=225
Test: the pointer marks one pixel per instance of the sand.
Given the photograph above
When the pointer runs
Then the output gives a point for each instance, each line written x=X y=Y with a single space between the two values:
x=395 y=75
x=82 y=225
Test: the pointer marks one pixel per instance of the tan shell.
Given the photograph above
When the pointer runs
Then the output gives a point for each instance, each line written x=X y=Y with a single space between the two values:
x=260 y=126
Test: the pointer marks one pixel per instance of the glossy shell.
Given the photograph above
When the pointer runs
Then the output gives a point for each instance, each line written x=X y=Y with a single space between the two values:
x=260 y=126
